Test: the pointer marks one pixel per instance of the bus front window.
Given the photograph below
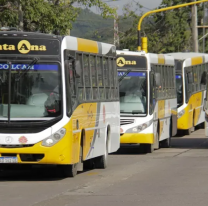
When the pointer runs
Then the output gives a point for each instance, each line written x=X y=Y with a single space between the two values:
x=34 y=94
x=133 y=93
x=179 y=87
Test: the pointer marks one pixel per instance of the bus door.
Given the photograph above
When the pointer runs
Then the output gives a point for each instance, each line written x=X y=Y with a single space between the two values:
x=189 y=81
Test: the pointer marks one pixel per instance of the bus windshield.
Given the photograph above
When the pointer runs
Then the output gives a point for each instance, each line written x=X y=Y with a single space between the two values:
x=35 y=94
x=133 y=93
x=179 y=87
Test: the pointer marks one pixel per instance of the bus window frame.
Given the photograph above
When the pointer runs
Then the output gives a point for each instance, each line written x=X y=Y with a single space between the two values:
x=102 y=57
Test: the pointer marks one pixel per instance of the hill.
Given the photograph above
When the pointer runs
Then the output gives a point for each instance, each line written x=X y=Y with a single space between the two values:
x=92 y=26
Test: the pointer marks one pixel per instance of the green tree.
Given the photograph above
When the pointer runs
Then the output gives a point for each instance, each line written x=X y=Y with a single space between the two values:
x=47 y=15
x=168 y=31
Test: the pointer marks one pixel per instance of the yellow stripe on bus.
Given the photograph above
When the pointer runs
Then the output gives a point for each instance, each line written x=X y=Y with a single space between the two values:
x=196 y=60
x=87 y=45
x=192 y=112
x=161 y=59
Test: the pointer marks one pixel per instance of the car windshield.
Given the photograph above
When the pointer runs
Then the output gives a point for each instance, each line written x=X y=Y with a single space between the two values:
x=35 y=94
x=179 y=87
x=133 y=93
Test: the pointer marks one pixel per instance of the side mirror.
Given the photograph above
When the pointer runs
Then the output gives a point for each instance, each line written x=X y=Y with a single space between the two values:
x=157 y=79
x=204 y=78
x=180 y=89
x=69 y=65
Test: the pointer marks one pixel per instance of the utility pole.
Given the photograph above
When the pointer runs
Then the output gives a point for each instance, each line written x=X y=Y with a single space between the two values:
x=195 y=28
x=116 y=34
x=20 y=12
x=204 y=6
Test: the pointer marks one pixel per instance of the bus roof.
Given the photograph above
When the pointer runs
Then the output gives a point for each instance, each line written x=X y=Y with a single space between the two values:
x=26 y=34
x=186 y=55
x=89 y=46
x=190 y=58
x=153 y=58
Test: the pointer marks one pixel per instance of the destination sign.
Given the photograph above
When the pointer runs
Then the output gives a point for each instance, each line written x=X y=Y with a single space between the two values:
x=29 y=46
x=36 y=67
x=134 y=62
x=132 y=74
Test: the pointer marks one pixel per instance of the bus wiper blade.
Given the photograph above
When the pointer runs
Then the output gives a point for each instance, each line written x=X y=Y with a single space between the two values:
x=34 y=61
x=122 y=77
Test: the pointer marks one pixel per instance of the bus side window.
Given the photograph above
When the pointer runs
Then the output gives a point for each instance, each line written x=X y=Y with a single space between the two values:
x=79 y=79
x=87 y=81
x=111 y=78
x=152 y=94
x=94 y=76
x=106 y=77
x=116 y=94
x=100 y=77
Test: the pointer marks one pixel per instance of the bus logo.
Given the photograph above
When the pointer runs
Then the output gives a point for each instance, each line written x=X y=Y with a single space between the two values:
x=8 y=140
x=23 y=140
x=25 y=47
x=122 y=62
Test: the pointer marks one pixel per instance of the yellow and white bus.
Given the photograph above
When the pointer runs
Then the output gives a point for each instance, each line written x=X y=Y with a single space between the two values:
x=148 y=103
x=59 y=101
x=191 y=69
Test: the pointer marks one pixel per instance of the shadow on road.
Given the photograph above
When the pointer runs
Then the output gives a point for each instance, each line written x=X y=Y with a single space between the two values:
x=189 y=143
x=195 y=141
x=34 y=174
x=129 y=149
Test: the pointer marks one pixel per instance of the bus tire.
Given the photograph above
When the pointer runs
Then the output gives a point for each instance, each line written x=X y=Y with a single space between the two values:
x=187 y=131
x=166 y=143
x=101 y=161
x=156 y=144
x=69 y=170
x=89 y=164
x=148 y=148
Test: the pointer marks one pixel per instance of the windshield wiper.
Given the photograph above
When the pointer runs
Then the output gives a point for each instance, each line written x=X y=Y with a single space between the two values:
x=34 y=61
x=122 y=77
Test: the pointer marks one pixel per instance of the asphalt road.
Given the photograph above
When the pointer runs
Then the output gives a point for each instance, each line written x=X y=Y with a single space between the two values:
x=177 y=176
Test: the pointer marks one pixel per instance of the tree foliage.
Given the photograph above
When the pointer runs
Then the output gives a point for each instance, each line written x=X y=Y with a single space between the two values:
x=168 y=31
x=47 y=15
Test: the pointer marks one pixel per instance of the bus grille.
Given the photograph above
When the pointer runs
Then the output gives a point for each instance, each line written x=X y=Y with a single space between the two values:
x=126 y=121
x=15 y=146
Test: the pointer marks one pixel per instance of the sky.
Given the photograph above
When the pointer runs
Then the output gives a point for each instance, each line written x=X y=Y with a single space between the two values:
x=147 y=4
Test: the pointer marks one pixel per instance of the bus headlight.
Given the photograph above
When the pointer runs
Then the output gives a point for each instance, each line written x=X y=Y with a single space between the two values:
x=181 y=113
x=139 y=128
x=54 y=138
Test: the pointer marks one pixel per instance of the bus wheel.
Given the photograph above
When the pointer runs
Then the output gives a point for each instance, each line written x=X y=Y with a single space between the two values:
x=188 y=131
x=69 y=170
x=166 y=143
x=89 y=164
x=101 y=161
x=148 y=148
x=156 y=143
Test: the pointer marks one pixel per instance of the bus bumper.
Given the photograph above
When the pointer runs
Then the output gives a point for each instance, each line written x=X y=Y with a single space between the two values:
x=38 y=154
x=140 y=138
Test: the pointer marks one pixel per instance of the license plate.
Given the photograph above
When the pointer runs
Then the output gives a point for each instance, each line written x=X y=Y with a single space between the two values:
x=8 y=160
